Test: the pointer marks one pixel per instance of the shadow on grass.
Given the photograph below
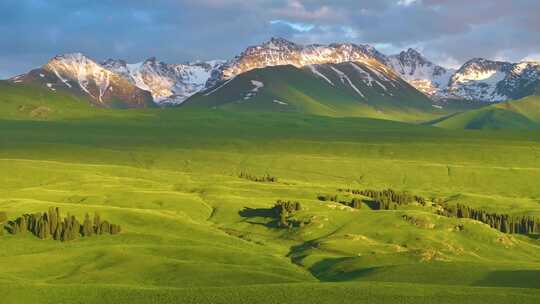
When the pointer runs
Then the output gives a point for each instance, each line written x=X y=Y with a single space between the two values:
x=256 y=212
x=372 y=204
x=327 y=270
x=252 y=214
x=511 y=278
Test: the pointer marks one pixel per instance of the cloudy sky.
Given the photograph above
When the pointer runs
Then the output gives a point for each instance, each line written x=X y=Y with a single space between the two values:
x=447 y=31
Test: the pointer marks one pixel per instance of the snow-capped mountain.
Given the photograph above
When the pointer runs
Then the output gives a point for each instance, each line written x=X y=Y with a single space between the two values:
x=493 y=81
x=478 y=79
x=522 y=80
x=168 y=83
x=421 y=73
x=156 y=82
x=136 y=84
x=278 y=51
x=76 y=72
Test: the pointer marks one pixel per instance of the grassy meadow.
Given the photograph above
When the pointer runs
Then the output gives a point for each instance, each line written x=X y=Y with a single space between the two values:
x=193 y=231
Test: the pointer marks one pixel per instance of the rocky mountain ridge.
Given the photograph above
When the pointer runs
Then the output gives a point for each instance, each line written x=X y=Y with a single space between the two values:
x=171 y=84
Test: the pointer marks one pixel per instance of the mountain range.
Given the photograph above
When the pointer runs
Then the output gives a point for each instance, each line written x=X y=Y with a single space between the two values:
x=360 y=71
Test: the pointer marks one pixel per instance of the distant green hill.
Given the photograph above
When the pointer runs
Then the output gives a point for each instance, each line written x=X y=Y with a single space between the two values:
x=337 y=90
x=517 y=114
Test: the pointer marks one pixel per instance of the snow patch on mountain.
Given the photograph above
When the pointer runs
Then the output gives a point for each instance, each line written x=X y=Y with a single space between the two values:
x=280 y=102
x=343 y=77
x=219 y=87
x=257 y=86
x=313 y=69
x=368 y=79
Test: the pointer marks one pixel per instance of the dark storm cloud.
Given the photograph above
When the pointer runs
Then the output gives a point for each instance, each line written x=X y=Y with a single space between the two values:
x=32 y=31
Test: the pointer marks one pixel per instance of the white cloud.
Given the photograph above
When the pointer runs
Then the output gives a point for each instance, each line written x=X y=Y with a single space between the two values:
x=407 y=2
x=532 y=57
x=297 y=26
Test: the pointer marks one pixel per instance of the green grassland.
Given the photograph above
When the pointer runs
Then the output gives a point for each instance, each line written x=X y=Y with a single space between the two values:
x=191 y=230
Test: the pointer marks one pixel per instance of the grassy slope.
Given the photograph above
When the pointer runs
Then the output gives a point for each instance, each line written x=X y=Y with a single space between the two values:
x=518 y=114
x=32 y=102
x=303 y=92
x=170 y=178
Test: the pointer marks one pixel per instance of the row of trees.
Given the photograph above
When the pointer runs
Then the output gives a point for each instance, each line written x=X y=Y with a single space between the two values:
x=328 y=197
x=355 y=202
x=51 y=225
x=388 y=199
x=502 y=222
x=267 y=178
x=283 y=210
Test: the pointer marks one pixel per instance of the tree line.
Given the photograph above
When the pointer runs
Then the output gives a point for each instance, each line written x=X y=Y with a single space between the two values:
x=355 y=202
x=502 y=222
x=388 y=199
x=51 y=225
x=267 y=178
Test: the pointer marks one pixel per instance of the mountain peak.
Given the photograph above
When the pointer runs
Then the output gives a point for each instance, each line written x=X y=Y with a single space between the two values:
x=484 y=64
x=279 y=51
x=113 y=62
x=279 y=43
x=412 y=55
x=151 y=60
x=477 y=60
x=419 y=71
x=413 y=52
x=73 y=57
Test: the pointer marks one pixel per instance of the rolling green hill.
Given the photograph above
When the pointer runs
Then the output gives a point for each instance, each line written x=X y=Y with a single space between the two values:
x=517 y=114
x=336 y=90
x=195 y=231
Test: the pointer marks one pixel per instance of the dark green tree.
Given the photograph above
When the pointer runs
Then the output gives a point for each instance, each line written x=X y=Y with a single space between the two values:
x=87 y=227
x=105 y=227
x=97 y=223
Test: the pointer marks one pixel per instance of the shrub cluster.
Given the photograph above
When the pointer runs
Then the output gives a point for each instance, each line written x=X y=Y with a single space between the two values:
x=261 y=179
x=502 y=222
x=283 y=210
x=51 y=225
